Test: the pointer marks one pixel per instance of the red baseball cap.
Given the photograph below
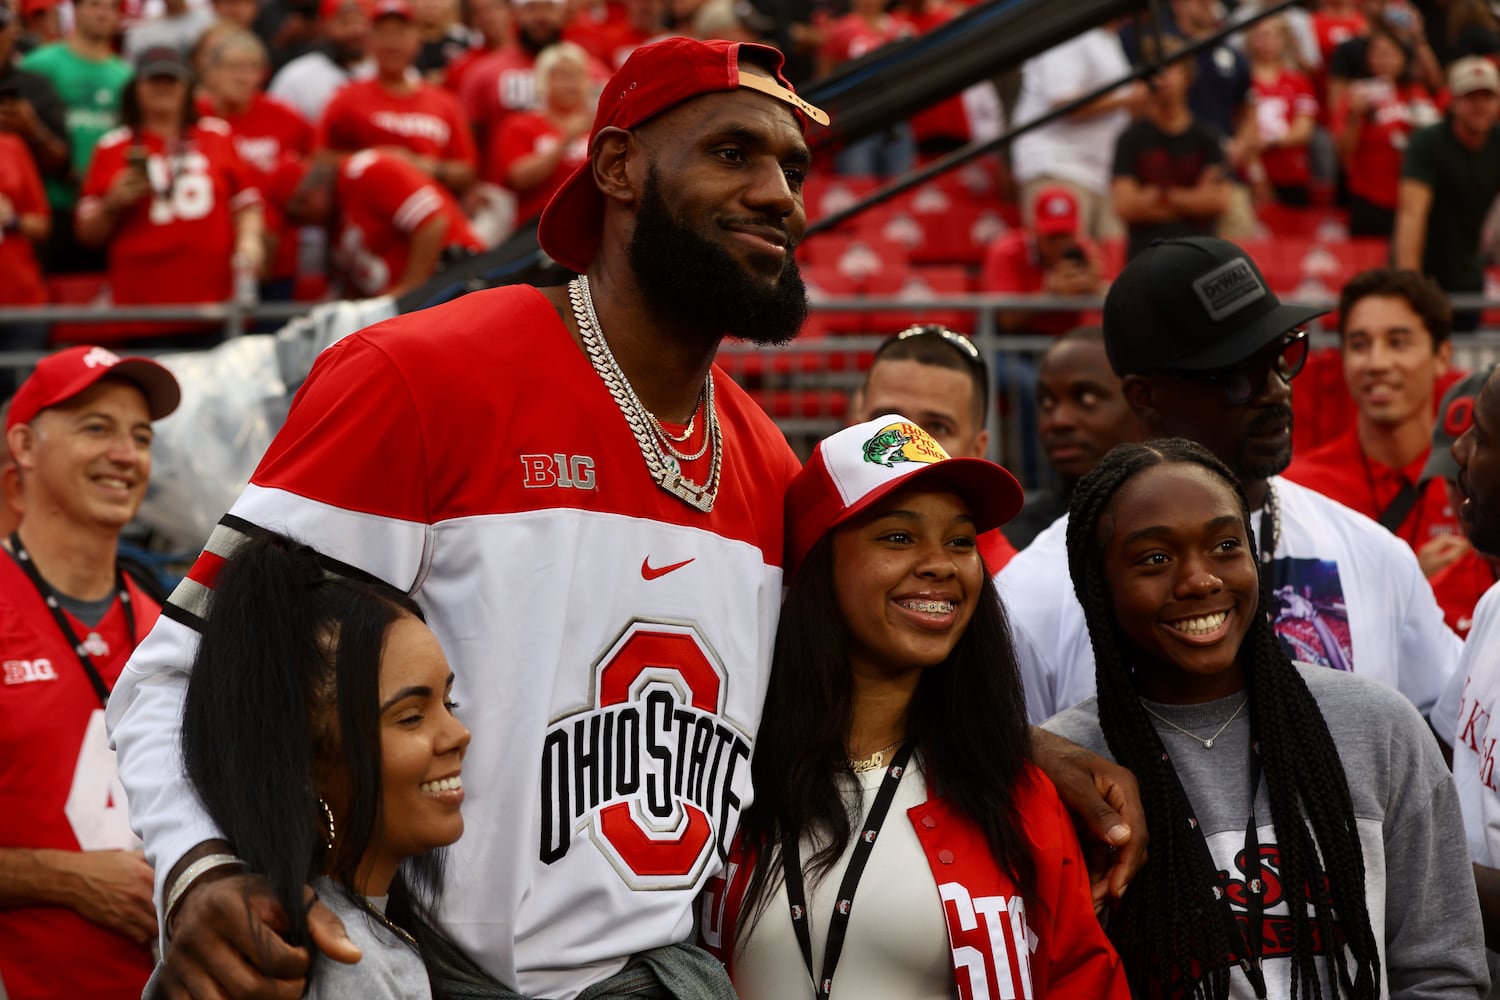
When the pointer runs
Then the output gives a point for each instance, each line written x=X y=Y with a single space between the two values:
x=61 y=376
x=328 y=8
x=1055 y=212
x=849 y=472
x=392 y=8
x=656 y=78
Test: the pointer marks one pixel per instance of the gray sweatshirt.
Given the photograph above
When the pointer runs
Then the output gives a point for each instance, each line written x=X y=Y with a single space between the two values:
x=1419 y=882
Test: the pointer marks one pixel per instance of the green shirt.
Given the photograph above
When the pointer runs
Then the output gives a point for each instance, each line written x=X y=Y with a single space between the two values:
x=90 y=90
x=1463 y=182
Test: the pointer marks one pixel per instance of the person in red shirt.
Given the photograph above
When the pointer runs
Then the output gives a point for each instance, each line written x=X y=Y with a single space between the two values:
x=392 y=224
x=399 y=112
x=501 y=83
x=1052 y=258
x=611 y=41
x=169 y=198
x=489 y=21
x=25 y=220
x=1285 y=113
x=537 y=150
x=1393 y=338
x=1371 y=124
x=867 y=27
x=265 y=132
x=76 y=913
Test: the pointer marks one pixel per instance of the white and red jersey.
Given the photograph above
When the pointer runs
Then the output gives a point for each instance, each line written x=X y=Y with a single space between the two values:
x=428 y=121
x=496 y=86
x=265 y=133
x=59 y=789
x=527 y=134
x=20 y=182
x=1279 y=102
x=176 y=244
x=382 y=200
x=611 y=644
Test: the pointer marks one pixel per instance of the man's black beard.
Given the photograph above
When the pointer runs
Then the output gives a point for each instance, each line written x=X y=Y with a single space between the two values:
x=695 y=283
x=535 y=46
x=1249 y=471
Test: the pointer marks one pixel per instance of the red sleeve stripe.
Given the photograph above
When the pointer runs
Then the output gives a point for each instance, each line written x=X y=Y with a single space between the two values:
x=189 y=601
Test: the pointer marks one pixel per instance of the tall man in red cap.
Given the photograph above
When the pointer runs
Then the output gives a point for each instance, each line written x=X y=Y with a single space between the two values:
x=590 y=513
x=75 y=888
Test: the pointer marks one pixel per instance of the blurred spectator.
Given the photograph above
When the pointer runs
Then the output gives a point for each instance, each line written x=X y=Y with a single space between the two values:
x=240 y=13
x=612 y=41
x=1302 y=39
x=1082 y=414
x=1449 y=177
x=1393 y=339
x=501 y=83
x=1472 y=29
x=24 y=221
x=169 y=197
x=177 y=27
x=308 y=82
x=489 y=24
x=1169 y=167
x=288 y=27
x=392 y=224
x=1075 y=151
x=537 y=150
x=40 y=24
x=1220 y=93
x=1459 y=585
x=1285 y=114
x=1051 y=257
x=974 y=114
x=867 y=27
x=398 y=111
x=1348 y=61
x=444 y=37
x=265 y=132
x=1372 y=126
x=30 y=108
x=1334 y=23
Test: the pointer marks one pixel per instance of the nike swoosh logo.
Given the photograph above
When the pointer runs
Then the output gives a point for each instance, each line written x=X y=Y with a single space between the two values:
x=654 y=574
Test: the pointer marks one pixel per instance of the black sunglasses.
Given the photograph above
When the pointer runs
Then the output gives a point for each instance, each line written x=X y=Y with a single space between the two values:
x=1242 y=381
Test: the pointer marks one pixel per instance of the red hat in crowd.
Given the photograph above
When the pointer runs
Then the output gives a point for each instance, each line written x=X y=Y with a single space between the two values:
x=328 y=8
x=656 y=78
x=61 y=376
x=851 y=471
x=1055 y=212
x=392 y=8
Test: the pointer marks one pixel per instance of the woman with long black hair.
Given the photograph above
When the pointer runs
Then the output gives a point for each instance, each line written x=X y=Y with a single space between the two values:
x=901 y=844
x=1291 y=807
x=319 y=733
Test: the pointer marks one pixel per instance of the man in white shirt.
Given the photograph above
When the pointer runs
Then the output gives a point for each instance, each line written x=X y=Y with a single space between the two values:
x=1206 y=351
x=309 y=81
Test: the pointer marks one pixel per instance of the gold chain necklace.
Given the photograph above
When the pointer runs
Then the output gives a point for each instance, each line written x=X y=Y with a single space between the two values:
x=875 y=760
x=663 y=465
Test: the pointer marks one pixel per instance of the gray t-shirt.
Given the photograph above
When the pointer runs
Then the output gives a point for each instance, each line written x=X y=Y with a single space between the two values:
x=1419 y=885
x=391 y=969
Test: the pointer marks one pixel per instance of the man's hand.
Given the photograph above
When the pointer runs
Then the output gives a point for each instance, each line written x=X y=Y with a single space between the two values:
x=113 y=889
x=128 y=187
x=226 y=943
x=1070 y=277
x=18 y=116
x=1441 y=552
x=1106 y=802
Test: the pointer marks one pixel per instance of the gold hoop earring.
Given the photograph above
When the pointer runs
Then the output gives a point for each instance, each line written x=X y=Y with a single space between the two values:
x=328 y=818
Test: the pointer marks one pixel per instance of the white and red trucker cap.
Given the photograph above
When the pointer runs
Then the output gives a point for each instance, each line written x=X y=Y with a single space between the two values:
x=849 y=472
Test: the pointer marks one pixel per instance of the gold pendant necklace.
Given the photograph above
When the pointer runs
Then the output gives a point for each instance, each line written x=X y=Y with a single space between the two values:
x=876 y=760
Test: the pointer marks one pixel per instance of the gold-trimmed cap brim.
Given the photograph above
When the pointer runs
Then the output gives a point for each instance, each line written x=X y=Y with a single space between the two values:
x=779 y=92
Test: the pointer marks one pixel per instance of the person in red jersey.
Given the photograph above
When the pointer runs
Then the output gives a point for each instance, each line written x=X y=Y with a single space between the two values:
x=169 y=197
x=1286 y=112
x=398 y=112
x=392 y=225
x=265 y=131
x=537 y=150
x=612 y=41
x=489 y=20
x=25 y=221
x=1393 y=338
x=75 y=890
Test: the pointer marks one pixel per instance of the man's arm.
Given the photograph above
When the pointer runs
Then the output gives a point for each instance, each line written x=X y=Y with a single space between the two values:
x=111 y=888
x=1413 y=203
x=1206 y=199
x=1139 y=205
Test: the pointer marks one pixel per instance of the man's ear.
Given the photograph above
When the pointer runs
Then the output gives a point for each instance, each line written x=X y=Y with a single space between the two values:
x=613 y=150
x=21 y=439
x=1141 y=397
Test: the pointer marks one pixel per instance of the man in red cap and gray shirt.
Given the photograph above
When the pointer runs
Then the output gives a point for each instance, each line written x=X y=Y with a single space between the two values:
x=591 y=515
x=75 y=888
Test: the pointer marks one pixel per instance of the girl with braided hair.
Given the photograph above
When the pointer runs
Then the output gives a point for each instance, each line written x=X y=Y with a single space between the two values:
x=1297 y=813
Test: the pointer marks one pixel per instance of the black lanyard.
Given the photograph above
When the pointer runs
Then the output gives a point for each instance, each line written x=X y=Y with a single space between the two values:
x=23 y=558
x=796 y=894
x=1252 y=934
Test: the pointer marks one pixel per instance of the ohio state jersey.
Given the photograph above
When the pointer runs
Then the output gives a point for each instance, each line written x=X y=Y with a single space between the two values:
x=611 y=644
x=59 y=789
x=174 y=245
x=382 y=201
x=428 y=121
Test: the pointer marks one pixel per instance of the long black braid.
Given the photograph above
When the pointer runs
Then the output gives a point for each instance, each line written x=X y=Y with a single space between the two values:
x=1170 y=932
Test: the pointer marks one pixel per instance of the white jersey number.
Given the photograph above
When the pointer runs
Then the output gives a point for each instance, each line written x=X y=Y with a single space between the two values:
x=96 y=800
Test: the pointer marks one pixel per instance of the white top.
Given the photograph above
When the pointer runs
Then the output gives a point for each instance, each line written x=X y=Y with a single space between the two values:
x=309 y=82
x=1474 y=748
x=1078 y=149
x=896 y=944
x=1359 y=602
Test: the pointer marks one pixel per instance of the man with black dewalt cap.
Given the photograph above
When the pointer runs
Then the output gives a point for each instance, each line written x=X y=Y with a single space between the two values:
x=591 y=515
x=1206 y=351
